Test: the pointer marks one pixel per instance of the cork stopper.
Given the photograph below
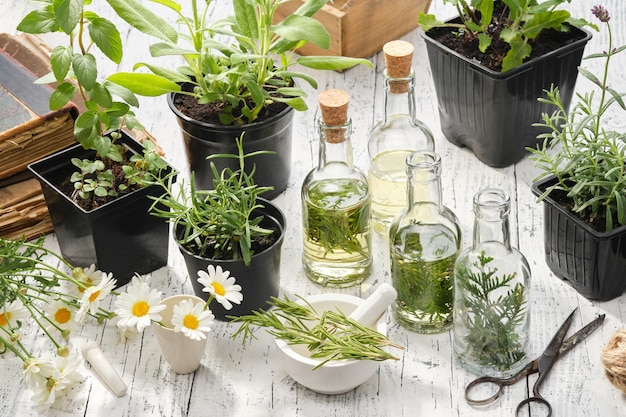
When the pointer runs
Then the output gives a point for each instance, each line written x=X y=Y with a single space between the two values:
x=334 y=106
x=398 y=60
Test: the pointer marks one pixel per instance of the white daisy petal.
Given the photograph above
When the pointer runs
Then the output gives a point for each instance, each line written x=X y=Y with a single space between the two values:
x=138 y=307
x=221 y=286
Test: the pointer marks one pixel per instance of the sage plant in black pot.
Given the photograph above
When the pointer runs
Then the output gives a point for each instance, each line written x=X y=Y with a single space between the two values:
x=491 y=63
x=583 y=184
x=238 y=76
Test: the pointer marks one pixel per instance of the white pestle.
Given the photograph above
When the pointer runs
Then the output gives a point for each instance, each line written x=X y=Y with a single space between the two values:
x=368 y=312
x=103 y=369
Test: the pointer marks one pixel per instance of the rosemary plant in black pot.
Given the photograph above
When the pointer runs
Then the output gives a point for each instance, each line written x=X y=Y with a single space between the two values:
x=583 y=184
x=491 y=63
x=238 y=76
x=96 y=191
x=228 y=226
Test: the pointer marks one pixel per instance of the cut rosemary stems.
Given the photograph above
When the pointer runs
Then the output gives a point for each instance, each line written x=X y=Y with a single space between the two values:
x=328 y=336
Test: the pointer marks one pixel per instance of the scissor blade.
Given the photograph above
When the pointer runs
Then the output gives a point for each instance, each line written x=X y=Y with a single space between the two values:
x=553 y=348
x=580 y=335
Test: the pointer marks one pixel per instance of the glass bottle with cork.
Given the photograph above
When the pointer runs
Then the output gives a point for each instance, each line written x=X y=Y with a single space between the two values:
x=336 y=203
x=424 y=242
x=394 y=137
x=492 y=282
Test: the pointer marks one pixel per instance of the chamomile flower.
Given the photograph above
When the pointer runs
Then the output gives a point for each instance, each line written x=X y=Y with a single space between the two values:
x=38 y=370
x=221 y=286
x=11 y=313
x=63 y=375
x=61 y=316
x=192 y=320
x=90 y=276
x=138 y=306
x=90 y=301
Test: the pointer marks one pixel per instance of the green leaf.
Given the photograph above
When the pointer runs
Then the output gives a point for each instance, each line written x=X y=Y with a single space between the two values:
x=296 y=28
x=100 y=95
x=106 y=37
x=168 y=73
x=60 y=60
x=297 y=103
x=170 y=4
x=118 y=109
x=486 y=12
x=306 y=77
x=246 y=18
x=102 y=145
x=589 y=75
x=514 y=58
x=165 y=49
x=144 y=84
x=86 y=119
x=428 y=21
x=121 y=92
x=62 y=95
x=68 y=14
x=141 y=18
x=484 y=41
x=310 y=7
x=540 y=21
x=334 y=63
x=39 y=21
x=85 y=69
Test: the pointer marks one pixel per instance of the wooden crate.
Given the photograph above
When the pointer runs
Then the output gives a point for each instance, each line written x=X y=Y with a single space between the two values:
x=360 y=28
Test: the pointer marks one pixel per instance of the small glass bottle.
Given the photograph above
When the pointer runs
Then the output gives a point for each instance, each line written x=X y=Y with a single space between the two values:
x=336 y=212
x=424 y=241
x=394 y=137
x=491 y=284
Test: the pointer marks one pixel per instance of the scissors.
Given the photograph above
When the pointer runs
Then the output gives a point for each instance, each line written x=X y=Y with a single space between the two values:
x=542 y=365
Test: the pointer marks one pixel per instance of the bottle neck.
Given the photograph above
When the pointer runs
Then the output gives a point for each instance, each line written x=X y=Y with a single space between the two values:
x=399 y=96
x=491 y=222
x=424 y=173
x=335 y=144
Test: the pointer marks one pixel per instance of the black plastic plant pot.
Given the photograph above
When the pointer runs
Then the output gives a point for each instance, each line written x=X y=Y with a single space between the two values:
x=204 y=139
x=259 y=281
x=492 y=112
x=120 y=237
x=592 y=262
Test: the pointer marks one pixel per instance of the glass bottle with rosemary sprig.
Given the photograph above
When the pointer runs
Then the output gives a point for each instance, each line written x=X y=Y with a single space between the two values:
x=424 y=241
x=492 y=280
x=394 y=137
x=336 y=203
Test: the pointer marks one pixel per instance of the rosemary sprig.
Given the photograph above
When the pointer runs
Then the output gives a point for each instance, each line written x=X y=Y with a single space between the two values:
x=329 y=336
x=337 y=220
x=492 y=321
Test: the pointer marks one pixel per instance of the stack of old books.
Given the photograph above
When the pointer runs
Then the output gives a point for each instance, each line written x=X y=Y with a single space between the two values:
x=29 y=131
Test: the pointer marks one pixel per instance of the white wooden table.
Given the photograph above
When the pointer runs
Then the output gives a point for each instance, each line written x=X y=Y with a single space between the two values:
x=245 y=380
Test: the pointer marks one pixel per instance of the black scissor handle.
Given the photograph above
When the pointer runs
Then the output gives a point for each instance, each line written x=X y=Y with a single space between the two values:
x=484 y=381
x=535 y=399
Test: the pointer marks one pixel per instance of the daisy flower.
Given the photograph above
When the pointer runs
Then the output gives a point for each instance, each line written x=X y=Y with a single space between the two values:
x=11 y=313
x=38 y=370
x=138 y=306
x=61 y=317
x=64 y=374
x=193 y=320
x=90 y=302
x=221 y=286
x=89 y=276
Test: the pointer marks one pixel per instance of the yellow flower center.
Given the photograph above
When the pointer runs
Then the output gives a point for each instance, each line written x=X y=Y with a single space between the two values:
x=191 y=322
x=62 y=315
x=4 y=318
x=219 y=290
x=82 y=289
x=140 y=308
x=93 y=297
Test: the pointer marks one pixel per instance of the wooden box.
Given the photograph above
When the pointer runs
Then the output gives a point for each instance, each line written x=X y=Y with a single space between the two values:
x=360 y=28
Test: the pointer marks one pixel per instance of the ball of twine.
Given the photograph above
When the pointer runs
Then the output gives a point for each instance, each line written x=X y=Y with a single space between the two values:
x=614 y=360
